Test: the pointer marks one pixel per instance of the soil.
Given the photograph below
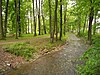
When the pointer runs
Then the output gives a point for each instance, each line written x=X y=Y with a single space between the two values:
x=9 y=61
x=61 y=62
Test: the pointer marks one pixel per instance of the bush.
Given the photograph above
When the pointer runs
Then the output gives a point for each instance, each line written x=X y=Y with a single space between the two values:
x=91 y=59
x=20 y=49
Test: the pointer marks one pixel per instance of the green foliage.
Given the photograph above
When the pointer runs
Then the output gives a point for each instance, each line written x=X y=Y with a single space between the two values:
x=20 y=49
x=91 y=59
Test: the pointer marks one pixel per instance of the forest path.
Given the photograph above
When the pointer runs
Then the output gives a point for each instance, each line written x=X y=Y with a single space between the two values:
x=62 y=62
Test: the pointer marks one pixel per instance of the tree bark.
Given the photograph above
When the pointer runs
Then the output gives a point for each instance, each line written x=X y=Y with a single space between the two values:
x=65 y=19
x=28 y=26
x=44 y=26
x=84 y=23
x=55 y=21
x=90 y=24
x=94 y=27
x=34 y=20
x=79 y=25
x=60 y=19
x=6 y=16
x=1 y=24
x=16 y=11
x=19 y=18
x=39 y=24
x=50 y=19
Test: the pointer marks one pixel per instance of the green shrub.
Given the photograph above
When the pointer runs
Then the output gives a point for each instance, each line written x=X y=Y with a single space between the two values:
x=20 y=49
x=91 y=59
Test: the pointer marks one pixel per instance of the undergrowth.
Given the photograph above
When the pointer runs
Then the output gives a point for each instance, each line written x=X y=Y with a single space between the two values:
x=91 y=59
x=26 y=49
x=20 y=49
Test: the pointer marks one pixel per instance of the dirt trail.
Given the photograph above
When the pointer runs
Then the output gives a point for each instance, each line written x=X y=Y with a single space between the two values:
x=62 y=62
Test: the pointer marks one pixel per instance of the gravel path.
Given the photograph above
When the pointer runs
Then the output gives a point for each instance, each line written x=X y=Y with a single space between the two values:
x=62 y=62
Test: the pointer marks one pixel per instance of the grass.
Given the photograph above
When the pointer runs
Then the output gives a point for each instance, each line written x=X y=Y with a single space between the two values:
x=24 y=36
x=20 y=49
x=91 y=59
x=33 y=45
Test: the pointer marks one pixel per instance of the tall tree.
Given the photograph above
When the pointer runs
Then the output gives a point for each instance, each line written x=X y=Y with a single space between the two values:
x=56 y=24
x=79 y=24
x=55 y=21
x=28 y=23
x=39 y=24
x=94 y=27
x=19 y=18
x=1 y=24
x=65 y=10
x=91 y=14
x=16 y=11
x=44 y=26
x=60 y=19
x=85 y=23
x=50 y=19
x=6 y=17
x=34 y=20
x=35 y=25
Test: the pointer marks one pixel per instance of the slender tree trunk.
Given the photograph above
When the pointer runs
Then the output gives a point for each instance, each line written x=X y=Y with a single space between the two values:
x=34 y=20
x=60 y=19
x=28 y=26
x=90 y=24
x=6 y=16
x=79 y=25
x=50 y=19
x=31 y=22
x=19 y=18
x=65 y=19
x=84 y=24
x=39 y=24
x=55 y=21
x=1 y=24
x=94 y=27
x=12 y=25
x=16 y=11
x=44 y=26
x=56 y=24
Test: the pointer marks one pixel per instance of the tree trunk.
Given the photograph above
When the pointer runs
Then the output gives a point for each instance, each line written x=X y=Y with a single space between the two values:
x=60 y=19
x=6 y=16
x=34 y=20
x=16 y=11
x=90 y=24
x=55 y=21
x=31 y=22
x=79 y=25
x=84 y=24
x=50 y=19
x=19 y=18
x=28 y=26
x=65 y=19
x=39 y=24
x=94 y=27
x=44 y=26
x=1 y=25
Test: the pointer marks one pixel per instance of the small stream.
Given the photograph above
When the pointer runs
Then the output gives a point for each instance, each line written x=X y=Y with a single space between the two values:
x=62 y=62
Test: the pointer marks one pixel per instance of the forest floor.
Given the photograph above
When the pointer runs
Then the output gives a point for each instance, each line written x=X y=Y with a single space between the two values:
x=62 y=62
x=41 y=43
